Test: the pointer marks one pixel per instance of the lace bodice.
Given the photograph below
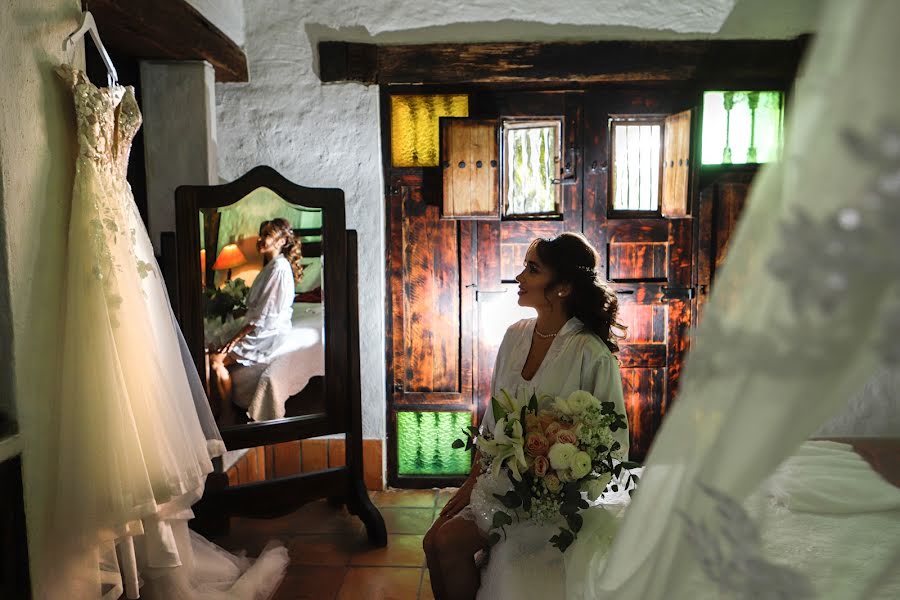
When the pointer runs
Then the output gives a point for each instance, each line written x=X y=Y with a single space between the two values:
x=107 y=121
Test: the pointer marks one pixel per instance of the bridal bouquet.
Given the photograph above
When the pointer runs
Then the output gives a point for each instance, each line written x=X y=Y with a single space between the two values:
x=553 y=457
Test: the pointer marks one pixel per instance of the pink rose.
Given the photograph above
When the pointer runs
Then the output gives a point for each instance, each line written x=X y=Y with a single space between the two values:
x=532 y=423
x=567 y=436
x=536 y=444
x=552 y=482
x=545 y=417
x=541 y=466
x=551 y=431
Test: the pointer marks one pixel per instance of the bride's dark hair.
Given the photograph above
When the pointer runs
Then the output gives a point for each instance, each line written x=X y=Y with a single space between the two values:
x=281 y=229
x=573 y=260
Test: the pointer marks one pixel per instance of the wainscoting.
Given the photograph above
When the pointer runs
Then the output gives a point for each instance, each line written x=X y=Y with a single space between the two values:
x=304 y=456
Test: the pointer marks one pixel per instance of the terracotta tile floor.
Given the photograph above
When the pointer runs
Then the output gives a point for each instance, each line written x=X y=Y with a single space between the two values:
x=331 y=558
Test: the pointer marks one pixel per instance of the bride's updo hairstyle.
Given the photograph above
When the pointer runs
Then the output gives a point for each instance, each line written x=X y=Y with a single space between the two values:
x=574 y=261
x=281 y=229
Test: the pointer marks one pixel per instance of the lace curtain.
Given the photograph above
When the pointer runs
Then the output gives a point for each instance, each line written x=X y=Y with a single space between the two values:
x=804 y=313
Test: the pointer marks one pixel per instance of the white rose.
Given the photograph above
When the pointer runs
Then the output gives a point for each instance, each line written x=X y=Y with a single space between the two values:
x=580 y=465
x=579 y=401
x=596 y=487
x=560 y=455
x=562 y=405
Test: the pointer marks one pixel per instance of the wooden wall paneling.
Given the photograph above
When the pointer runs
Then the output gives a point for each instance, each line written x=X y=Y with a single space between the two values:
x=337 y=453
x=314 y=455
x=641 y=386
x=286 y=459
x=678 y=342
x=431 y=297
x=638 y=260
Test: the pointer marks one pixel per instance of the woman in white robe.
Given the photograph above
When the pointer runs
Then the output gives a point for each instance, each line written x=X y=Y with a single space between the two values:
x=269 y=307
x=569 y=346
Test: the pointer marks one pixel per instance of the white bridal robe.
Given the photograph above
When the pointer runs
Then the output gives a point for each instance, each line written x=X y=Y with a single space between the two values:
x=132 y=435
x=524 y=564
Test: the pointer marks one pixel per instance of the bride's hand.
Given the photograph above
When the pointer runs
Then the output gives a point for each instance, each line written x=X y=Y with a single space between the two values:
x=459 y=500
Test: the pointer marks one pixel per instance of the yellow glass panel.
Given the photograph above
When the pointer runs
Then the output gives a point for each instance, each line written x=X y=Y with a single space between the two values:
x=414 y=127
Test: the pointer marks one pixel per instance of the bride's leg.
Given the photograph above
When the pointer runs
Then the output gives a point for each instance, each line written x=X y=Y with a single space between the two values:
x=429 y=544
x=220 y=363
x=454 y=545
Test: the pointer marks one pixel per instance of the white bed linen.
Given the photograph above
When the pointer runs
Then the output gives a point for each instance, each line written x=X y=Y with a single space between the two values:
x=263 y=389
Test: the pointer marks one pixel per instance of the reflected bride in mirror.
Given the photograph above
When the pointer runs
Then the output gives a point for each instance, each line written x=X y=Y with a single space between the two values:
x=269 y=309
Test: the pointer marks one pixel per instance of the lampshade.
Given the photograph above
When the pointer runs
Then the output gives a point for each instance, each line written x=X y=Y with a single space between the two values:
x=229 y=258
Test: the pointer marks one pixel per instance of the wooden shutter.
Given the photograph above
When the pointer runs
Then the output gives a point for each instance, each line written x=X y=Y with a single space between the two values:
x=676 y=165
x=471 y=167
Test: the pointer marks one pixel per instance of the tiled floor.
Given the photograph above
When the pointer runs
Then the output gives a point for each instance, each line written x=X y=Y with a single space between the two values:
x=331 y=558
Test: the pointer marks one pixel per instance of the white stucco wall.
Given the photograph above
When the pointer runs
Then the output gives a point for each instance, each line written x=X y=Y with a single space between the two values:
x=328 y=135
x=179 y=135
x=227 y=15
x=37 y=162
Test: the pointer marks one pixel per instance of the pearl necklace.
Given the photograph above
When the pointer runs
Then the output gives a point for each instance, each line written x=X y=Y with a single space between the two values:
x=545 y=336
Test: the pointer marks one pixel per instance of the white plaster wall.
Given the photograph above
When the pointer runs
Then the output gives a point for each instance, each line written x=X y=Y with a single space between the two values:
x=179 y=135
x=328 y=135
x=37 y=161
x=227 y=15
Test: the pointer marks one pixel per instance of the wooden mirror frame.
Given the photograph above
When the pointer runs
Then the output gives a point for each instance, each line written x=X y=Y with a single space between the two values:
x=342 y=395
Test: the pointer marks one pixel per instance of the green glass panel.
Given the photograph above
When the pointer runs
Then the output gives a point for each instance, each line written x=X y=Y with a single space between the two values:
x=532 y=157
x=741 y=127
x=415 y=127
x=424 y=442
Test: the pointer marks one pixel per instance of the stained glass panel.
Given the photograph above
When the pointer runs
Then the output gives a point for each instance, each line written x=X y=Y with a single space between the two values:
x=415 y=127
x=741 y=127
x=531 y=152
x=636 y=149
x=424 y=443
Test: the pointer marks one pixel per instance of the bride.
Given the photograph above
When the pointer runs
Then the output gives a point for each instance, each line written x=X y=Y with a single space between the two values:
x=568 y=347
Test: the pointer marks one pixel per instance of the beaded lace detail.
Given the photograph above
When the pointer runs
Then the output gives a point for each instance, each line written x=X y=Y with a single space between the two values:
x=107 y=120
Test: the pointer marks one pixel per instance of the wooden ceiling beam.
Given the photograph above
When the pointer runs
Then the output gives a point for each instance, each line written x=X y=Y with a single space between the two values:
x=721 y=62
x=168 y=30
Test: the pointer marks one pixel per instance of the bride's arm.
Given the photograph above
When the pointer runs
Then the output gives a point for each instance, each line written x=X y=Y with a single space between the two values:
x=461 y=498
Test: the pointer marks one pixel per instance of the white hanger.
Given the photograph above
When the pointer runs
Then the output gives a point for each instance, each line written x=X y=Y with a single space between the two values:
x=89 y=25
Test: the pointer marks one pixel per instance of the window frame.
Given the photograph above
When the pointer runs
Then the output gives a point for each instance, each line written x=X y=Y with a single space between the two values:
x=633 y=119
x=523 y=122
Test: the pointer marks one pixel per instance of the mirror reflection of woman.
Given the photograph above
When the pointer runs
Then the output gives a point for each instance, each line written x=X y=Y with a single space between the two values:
x=269 y=308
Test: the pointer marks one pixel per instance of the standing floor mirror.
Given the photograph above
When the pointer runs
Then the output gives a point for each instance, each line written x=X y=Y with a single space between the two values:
x=305 y=385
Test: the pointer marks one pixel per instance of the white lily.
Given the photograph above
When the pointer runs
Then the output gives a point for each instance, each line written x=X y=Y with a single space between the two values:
x=513 y=404
x=509 y=448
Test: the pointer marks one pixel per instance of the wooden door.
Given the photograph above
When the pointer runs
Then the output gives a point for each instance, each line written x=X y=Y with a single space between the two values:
x=431 y=372
x=723 y=193
x=646 y=257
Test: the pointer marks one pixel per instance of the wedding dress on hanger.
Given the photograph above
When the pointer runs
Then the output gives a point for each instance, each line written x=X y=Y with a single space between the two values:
x=134 y=435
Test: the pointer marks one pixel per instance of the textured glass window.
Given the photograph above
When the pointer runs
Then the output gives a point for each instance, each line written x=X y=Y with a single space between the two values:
x=635 y=177
x=414 y=127
x=741 y=127
x=531 y=151
x=424 y=443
